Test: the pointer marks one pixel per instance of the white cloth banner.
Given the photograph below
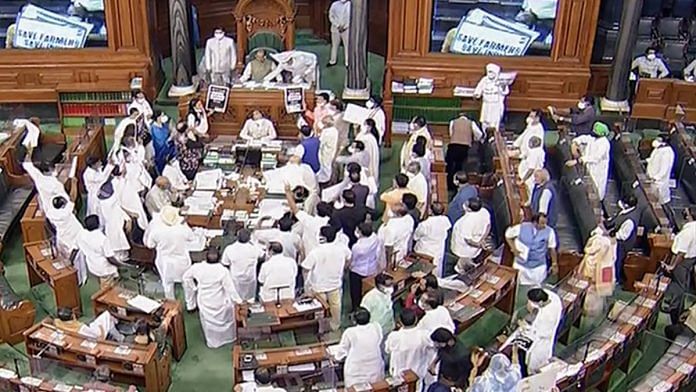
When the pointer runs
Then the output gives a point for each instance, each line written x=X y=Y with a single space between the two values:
x=484 y=34
x=37 y=28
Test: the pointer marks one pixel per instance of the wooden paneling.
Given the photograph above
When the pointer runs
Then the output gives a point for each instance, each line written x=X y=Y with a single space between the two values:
x=378 y=26
x=599 y=79
x=31 y=75
x=658 y=99
x=558 y=79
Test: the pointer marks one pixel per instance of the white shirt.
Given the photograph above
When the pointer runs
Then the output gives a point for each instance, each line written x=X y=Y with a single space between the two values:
x=31 y=139
x=419 y=186
x=474 y=226
x=685 y=240
x=522 y=141
x=408 y=349
x=397 y=234
x=309 y=227
x=289 y=240
x=262 y=130
x=436 y=318
x=543 y=9
x=545 y=201
x=95 y=247
x=242 y=259
x=277 y=271
x=339 y=14
x=533 y=160
x=326 y=264
x=627 y=227
x=175 y=176
x=430 y=237
x=660 y=164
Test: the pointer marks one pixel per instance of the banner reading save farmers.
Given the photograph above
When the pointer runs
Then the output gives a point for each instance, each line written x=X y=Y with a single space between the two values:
x=37 y=28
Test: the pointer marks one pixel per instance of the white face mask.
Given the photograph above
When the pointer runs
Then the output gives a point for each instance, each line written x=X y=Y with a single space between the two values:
x=388 y=290
x=621 y=204
x=370 y=105
x=529 y=120
x=581 y=105
x=491 y=75
x=656 y=143
x=651 y=56
x=164 y=119
x=421 y=304
x=219 y=35
x=140 y=100
x=412 y=126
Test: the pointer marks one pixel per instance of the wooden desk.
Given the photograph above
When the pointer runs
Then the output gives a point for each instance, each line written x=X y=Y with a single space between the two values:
x=608 y=353
x=674 y=370
x=141 y=364
x=90 y=143
x=16 y=315
x=496 y=287
x=242 y=103
x=115 y=300
x=14 y=172
x=403 y=279
x=572 y=291
x=278 y=361
x=285 y=318
x=410 y=380
x=42 y=267
x=657 y=99
x=12 y=382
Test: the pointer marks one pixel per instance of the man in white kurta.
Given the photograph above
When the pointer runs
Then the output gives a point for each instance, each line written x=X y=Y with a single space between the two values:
x=436 y=316
x=93 y=177
x=361 y=347
x=208 y=287
x=241 y=258
x=31 y=139
x=659 y=168
x=176 y=177
x=325 y=266
x=469 y=234
x=277 y=275
x=378 y=116
x=302 y=67
x=534 y=128
x=339 y=16
x=159 y=196
x=542 y=330
x=595 y=154
x=369 y=139
x=396 y=234
x=61 y=213
x=328 y=149
x=417 y=127
x=99 y=256
x=417 y=183
x=493 y=93
x=220 y=57
x=408 y=347
x=430 y=237
x=114 y=218
x=258 y=128
x=47 y=185
x=533 y=159
x=171 y=241
x=120 y=130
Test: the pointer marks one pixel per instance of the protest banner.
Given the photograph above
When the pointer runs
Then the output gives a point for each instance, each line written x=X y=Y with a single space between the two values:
x=37 y=28
x=217 y=98
x=484 y=34
x=294 y=99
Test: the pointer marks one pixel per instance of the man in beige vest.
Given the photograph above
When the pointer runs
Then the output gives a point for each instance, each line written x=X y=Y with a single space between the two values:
x=258 y=68
x=462 y=133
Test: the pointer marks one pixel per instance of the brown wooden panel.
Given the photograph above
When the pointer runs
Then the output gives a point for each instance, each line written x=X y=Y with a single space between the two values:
x=599 y=79
x=215 y=13
x=652 y=98
x=378 y=26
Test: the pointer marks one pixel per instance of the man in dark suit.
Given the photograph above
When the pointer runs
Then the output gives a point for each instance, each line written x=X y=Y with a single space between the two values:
x=348 y=217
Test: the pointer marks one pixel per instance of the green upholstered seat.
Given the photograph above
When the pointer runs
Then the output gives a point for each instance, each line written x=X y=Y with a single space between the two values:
x=267 y=40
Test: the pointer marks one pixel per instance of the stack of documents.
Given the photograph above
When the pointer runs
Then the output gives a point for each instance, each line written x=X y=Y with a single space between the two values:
x=144 y=304
x=425 y=86
x=461 y=91
x=208 y=180
x=397 y=87
x=200 y=203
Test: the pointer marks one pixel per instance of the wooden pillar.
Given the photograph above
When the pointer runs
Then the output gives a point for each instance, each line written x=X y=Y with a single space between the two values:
x=357 y=83
x=182 y=60
x=617 y=92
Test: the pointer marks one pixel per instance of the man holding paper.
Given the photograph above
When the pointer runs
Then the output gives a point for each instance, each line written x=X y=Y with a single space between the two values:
x=492 y=90
x=532 y=243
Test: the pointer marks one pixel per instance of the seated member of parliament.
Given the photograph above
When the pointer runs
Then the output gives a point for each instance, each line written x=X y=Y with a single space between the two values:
x=258 y=68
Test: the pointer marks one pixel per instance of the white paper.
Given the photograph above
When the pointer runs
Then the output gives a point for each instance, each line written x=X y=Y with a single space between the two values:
x=144 y=304
x=307 y=306
x=62 y=388
x=544 y=381
x=336 y=351
x=33 y=381
x=248 y=375
x=523 y=249
x=305 y=367
x=355 y=114
x=275 y=208
x=122 y=350
x=7 y=374
x=663 y=386
x=208 y=180
x=261 y=356
x=73 y=168
x=594 y=355
x=685 y=369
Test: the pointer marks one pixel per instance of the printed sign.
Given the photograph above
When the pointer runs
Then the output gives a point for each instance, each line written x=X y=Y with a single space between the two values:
x=484 y=34
x=294 y=99
x=217 y=98
x=37 y=28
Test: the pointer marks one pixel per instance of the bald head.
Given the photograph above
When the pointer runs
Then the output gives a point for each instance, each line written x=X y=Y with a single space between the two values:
x=163 y=183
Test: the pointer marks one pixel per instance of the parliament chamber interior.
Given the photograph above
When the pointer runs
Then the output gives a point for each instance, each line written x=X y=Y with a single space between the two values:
x=325 y=195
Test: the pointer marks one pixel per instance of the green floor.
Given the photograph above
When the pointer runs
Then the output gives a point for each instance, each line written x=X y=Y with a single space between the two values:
x=203 y=369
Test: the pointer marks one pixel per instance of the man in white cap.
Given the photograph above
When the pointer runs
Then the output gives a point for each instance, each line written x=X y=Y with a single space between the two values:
x=493 y=94
x=301 y=65
x=171 y=240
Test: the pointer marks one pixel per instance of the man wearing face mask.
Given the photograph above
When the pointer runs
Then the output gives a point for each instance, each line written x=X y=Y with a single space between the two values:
x=659 y=169
x=328 y=149
x=93 y=177
x=259 y=68
x=544 y=199
x=532 y=160
x=469 y=235
x=357 y=155
x=650 y=66
x=680 y=265
x=321 y=109
x=534 y=128
x=258 y=128
x=417 y=127
x=581 y=119
x=277 y=275
x=417 y=183
x=45 y=181
x=532 y=243
x=493 y=92
x=378 y=302
x=339 y=16
x=594 y=152
x=220 y=57
x=541 y=331
x=343 y=127
x=436 y=317
x=626 y=223
x=364 y=261
x=139 y=101
x=374 y=104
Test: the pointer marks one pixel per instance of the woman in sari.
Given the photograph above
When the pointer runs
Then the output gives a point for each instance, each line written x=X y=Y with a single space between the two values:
x=160 y=140
x=597 y=266
x=370 y=137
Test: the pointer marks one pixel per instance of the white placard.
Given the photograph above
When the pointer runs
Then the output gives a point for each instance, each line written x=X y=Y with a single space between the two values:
x=355 y=114
x=484 y=34
x=37 y=28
